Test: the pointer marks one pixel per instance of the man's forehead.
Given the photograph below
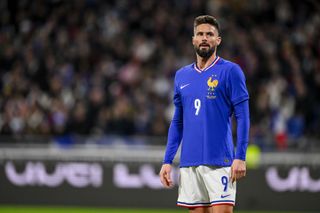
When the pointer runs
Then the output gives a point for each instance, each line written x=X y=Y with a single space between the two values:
x=205 y=28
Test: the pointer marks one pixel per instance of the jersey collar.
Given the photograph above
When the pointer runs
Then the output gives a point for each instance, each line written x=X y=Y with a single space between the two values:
x=205 y=69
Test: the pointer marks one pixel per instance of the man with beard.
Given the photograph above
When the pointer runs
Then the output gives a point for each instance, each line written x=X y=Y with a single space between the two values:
x=207 y=94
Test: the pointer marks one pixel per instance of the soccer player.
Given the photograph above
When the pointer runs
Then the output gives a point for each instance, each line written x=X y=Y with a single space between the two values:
x=207 y=94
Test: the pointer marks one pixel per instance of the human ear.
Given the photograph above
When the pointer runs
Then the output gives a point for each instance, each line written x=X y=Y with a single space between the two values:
x=219 y=39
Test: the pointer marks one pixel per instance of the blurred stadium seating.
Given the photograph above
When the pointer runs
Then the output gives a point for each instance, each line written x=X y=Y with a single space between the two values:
x=96 y=78
x=95 y=67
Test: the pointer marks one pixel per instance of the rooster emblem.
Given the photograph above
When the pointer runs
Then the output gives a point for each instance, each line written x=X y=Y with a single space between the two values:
x=212 y=83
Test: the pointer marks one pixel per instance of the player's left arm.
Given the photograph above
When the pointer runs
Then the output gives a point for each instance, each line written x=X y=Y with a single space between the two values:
x=238 y=168
x=240 y=101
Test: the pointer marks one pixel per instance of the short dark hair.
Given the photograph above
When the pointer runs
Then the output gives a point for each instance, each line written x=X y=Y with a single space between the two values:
x=207 y=19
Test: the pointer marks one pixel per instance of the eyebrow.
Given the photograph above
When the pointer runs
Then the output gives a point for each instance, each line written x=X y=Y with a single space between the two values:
x=205 y=32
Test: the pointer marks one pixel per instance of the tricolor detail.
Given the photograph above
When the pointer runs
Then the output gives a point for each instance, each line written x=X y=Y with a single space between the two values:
x=211 y=65
x=205 y=204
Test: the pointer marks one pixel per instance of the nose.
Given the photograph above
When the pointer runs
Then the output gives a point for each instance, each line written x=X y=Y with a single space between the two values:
x=204 y=38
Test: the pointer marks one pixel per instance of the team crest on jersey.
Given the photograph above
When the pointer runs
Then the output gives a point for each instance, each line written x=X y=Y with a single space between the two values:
x=212 y=84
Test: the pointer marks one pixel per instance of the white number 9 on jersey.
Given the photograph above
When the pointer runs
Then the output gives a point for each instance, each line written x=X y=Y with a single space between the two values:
x=197 y=105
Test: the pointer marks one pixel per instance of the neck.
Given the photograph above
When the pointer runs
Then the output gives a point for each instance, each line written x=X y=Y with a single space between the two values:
x=203 y=63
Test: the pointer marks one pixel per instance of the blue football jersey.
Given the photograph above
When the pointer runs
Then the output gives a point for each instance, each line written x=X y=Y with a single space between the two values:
x=204 y=102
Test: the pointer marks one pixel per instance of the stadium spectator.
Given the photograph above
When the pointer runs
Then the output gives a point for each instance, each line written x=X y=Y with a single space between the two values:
x=90 y=66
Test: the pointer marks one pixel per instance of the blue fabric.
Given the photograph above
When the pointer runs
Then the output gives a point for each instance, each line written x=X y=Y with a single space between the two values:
x=204 y=105
x=241 y=112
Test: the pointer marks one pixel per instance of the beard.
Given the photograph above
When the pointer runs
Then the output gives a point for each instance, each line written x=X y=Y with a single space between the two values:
x=205 y=53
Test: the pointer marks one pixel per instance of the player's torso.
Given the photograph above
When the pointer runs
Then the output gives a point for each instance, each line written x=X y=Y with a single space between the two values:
x=206 y=116
x=203 y=93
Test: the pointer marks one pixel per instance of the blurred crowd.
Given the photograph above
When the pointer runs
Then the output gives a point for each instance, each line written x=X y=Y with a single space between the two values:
x=107 y=67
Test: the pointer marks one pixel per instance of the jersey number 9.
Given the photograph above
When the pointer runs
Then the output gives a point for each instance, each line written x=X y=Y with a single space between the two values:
x=197 y=106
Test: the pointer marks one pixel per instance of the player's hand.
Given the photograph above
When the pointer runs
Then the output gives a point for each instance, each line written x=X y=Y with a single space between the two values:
x=238 y=170
x=165 y=175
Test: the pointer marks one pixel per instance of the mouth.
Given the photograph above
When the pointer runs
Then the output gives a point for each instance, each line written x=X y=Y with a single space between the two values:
x=204 y=45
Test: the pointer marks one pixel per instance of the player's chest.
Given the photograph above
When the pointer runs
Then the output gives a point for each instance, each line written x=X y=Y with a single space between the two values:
x=209 y=85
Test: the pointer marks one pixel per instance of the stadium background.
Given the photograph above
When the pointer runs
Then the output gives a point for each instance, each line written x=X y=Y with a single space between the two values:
x=86 y=87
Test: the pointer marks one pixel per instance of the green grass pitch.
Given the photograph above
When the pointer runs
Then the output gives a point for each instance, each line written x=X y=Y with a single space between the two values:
x=23 y=209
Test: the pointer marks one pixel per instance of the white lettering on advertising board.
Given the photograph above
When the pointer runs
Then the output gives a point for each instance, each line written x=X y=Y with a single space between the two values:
x=78 y=175
x=146 y=176
x=298 y=179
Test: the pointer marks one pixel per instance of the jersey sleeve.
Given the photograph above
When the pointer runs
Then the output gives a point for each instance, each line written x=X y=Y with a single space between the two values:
x=239 y=96
x=176 y=127
x=237 y=86
x=241 y=112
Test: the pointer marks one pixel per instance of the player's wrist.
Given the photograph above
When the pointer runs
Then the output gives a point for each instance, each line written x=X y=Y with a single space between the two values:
x=240 y=156
x=241 y=159
x=166 y=162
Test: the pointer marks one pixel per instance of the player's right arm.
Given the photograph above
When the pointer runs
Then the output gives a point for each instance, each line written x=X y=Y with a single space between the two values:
x=174 y=138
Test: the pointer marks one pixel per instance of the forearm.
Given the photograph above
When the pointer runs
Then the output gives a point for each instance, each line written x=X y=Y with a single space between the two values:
x=174 y=136
x=243 y=125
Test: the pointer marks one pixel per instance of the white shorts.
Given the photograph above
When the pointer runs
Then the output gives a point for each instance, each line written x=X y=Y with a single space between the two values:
x=205 y=186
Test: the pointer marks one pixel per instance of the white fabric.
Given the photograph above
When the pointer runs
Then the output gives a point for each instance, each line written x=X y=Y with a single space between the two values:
x=205 y=186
